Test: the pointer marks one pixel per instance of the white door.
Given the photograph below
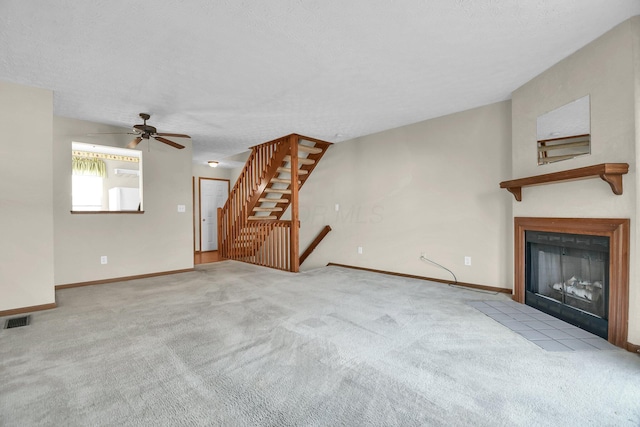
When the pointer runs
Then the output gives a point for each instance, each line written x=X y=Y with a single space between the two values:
x=213 y=195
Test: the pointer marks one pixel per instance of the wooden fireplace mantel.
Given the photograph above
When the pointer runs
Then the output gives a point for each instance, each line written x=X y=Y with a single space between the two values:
x=609 y=172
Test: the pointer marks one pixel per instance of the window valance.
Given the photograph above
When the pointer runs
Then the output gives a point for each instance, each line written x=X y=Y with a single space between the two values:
x=87 y=166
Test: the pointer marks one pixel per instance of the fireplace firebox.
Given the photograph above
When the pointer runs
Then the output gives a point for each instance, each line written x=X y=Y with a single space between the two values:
x=588 y=268
x=567 y=276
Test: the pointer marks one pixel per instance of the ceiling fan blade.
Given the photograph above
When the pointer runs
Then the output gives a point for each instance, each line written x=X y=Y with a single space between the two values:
x=111 y=133
x=135 y=142
x=169 y=142
x=175 y=135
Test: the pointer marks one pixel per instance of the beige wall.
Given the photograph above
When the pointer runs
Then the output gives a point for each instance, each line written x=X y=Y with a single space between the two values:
x=428 y=187
x=26 y=224
x=159 y=240
x=605 y=70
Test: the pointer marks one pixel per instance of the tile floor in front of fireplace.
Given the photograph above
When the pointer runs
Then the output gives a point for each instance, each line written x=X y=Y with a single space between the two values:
x=541 y=329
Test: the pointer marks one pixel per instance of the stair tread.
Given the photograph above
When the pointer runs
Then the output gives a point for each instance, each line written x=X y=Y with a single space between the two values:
x=281 y=181
x=247 y=236
x=288 y=170
x=311 y=150
x=301 y=160
x=267 y=200
x=261 y=209
x=277 y=190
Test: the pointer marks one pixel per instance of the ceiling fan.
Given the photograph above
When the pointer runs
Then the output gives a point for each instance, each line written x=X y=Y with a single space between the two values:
x=145 y=131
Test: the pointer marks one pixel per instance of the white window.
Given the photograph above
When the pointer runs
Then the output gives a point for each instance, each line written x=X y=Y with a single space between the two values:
x=105 y=178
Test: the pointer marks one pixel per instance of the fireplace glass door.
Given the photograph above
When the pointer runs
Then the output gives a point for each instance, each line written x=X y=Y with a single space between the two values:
x=567 y=276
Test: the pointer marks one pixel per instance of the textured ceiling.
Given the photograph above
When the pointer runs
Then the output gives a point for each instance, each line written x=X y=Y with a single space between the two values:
x=235 y=73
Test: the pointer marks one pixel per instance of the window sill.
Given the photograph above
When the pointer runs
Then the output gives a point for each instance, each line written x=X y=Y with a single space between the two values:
x=106 y=212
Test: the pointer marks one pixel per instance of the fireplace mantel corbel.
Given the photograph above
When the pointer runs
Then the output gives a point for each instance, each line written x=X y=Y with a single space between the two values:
x=609 y=172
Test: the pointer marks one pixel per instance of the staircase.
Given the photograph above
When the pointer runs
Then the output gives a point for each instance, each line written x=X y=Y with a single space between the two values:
x=250 y=225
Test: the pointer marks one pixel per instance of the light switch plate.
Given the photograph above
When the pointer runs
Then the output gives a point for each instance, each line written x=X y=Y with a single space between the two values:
x=182 y=208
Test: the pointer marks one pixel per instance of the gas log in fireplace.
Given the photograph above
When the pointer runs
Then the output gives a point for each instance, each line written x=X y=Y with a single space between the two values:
x=567 y=276
x=575 y=269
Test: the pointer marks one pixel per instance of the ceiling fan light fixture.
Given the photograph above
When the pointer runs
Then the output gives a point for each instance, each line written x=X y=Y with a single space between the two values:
x=145 y=131
x=213 y=163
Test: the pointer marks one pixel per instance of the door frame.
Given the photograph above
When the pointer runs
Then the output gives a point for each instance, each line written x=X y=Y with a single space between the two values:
x=200 y=179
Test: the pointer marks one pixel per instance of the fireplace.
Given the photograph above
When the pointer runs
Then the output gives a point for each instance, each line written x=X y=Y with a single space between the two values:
x=575 y=269
x=567 y=276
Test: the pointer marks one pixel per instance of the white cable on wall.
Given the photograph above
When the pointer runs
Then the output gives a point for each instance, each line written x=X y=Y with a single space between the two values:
x=423 y=258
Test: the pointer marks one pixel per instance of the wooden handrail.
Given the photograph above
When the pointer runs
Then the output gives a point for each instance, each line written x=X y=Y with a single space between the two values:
x=307 y=169
x=246 y=236
x=277 y=156
x=315 y=243
x=569 y=146
x=237 y=208
x=580 y=137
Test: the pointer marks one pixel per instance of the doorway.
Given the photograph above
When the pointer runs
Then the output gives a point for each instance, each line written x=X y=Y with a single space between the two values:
x=213 y=194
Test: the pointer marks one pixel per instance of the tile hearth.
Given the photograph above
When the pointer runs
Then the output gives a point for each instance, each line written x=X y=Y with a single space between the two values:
x=541 y=329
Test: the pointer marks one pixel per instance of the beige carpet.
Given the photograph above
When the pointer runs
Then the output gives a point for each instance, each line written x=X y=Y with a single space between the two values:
x=236 y=345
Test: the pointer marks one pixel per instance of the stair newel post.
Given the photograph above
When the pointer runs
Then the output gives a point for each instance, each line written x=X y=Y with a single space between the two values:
x=295 y=216
x=220 y=228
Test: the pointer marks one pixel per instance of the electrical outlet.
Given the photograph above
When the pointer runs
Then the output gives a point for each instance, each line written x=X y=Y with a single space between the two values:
x=423 y=254
x=359 y=250
x=467 y=260
x=103 y=259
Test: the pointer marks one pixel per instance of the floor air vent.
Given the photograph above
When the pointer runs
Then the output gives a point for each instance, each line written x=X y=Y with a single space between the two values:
x=16 y=322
